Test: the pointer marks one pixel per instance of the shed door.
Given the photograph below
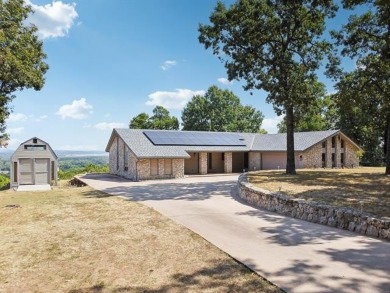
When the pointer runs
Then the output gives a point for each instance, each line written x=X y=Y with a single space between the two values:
x=26 y=171
x=42 y=168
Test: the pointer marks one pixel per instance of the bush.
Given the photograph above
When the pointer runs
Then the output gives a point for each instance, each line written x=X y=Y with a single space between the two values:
x=90 y=168
x=4 y=182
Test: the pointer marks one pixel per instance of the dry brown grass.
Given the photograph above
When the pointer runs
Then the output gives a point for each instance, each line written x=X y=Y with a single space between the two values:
x=80 y=240
x=361 y=188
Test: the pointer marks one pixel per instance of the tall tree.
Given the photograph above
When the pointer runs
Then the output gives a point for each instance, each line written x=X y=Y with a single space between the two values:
x=366 y=39
x=273 y=45
x=361 y=114
x=141 y=121
x=220 y=110
x=21 y=56
x=161 y=119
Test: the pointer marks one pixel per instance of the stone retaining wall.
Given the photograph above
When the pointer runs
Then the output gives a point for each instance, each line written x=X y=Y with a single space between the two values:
x=343 y=218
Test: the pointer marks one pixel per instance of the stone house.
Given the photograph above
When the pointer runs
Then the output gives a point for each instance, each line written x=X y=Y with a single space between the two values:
x=156 y=154
x=34 y=163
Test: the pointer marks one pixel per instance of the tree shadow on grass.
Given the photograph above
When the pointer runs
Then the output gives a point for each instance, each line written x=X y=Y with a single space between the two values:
x=213 y=278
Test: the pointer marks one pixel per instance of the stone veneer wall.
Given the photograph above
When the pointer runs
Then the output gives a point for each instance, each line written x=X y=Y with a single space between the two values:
x=144 y=169
x=228 y=162
x=343 y=218
x=254 y=161
x=350 y=157
x=312 y=158
x=202 y=163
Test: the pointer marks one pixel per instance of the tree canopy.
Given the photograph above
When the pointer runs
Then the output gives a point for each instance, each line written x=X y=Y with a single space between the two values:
x=220 y=110
x=366 y=39
x=161 y=119
x=21 y=56
x=272 y=45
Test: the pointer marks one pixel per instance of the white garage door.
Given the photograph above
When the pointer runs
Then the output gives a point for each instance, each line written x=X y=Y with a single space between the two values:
x=26 y=171
x=42 y=171
x=34 y=171
x=273 y=161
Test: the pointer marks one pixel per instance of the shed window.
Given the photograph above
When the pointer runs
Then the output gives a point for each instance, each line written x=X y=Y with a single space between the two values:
x=35 y=140
x=15 y=172
x=37 y=147
x=333 y=141
x=342 y=143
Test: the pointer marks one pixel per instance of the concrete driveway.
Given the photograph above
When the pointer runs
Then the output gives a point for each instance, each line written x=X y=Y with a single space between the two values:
x=297 y=256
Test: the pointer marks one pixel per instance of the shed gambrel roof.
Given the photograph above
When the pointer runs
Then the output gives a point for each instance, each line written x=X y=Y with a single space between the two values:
x=142 y=147
x=40 y=141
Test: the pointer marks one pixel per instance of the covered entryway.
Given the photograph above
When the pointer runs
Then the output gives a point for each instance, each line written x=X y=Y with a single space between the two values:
x=240 y=162
x=191 y=165
x=215 y=162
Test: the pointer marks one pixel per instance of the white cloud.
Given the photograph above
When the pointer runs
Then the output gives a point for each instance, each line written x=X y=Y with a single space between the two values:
x=79 y=109
x=17 y=117
x=109 y=125
x=168 y=64
x=172 y=100
x=224 y=81
x=15 y=130
x=54 y=19
x=41 y=118
x=270 y=124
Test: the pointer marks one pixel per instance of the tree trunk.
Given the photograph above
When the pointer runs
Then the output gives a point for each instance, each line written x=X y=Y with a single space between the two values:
x=387 y=141
x=290 y=168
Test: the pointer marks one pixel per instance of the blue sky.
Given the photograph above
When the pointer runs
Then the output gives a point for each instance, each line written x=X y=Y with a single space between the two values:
x=110 y=61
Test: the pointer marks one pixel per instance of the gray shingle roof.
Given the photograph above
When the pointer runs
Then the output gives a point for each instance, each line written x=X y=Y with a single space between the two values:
x=142 y=147
x=278 y=141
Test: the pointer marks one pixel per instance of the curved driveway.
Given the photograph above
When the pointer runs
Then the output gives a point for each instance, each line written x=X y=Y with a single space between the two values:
x=297 y=256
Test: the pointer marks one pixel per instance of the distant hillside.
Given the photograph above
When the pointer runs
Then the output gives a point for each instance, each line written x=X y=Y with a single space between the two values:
x=6 y=154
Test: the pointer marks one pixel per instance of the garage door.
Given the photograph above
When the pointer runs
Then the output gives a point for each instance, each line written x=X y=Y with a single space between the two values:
x=26 y=171
x=42 y=171
x=274 y=161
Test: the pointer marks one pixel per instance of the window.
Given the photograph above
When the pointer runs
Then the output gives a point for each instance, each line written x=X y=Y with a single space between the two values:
x=342 y=159
x=333 y=141
x=35 y=140
x=168 y=167
x=37 y=147
x=209 y=161
x=333 y=160
x=153 y=167
x=323 y=160
x=15 y=172
x=223 y=156
x=52 y=170
x=126 y=159
x=342 y=143
x=300 y=157
x=324 y=144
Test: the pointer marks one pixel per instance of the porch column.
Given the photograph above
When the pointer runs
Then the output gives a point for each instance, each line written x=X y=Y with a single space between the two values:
x=228 y=163
x=329 y=153
x=337 y=152
x=202 y=163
